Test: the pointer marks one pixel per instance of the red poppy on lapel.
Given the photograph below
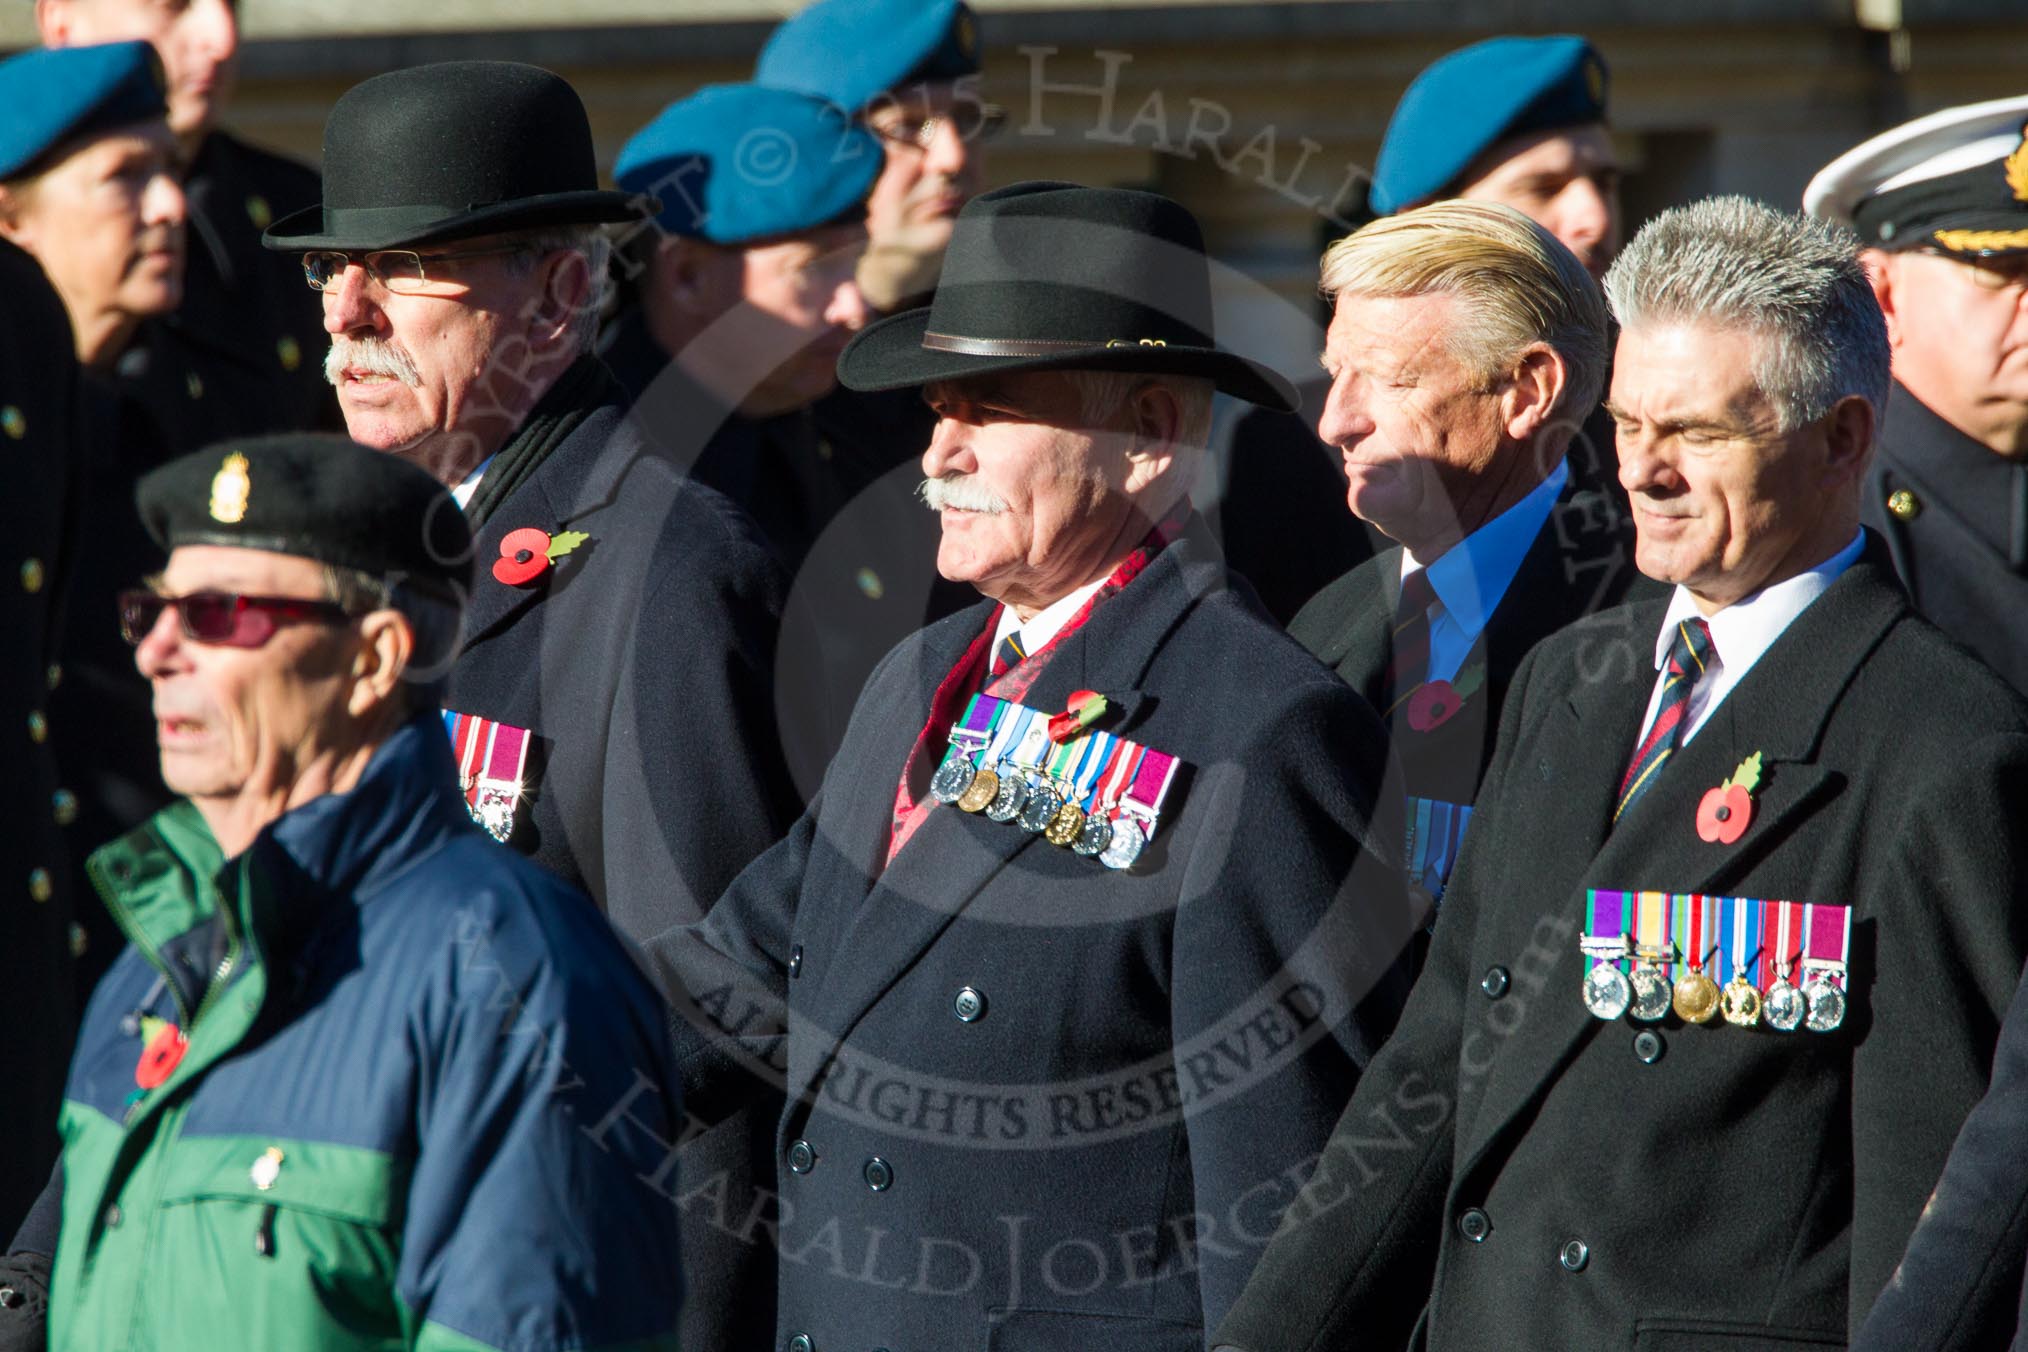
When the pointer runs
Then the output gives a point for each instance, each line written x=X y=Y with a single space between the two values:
x=527 y=553
x=1726 y=811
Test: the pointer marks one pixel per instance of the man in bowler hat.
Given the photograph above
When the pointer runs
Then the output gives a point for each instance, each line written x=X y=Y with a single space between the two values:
x=1094 y=920
x=1719 y=972
x=611 y=710
x=610 y=705
x=296 y=1116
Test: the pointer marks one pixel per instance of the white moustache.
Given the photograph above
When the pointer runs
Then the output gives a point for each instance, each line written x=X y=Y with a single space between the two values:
x=370 y=355
x=961 y=491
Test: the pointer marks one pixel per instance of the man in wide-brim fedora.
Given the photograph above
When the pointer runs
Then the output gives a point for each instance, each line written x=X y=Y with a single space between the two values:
x=1092 y=925
x=611 y=709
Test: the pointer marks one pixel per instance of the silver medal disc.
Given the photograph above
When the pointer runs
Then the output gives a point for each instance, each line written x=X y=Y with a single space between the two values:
x=1006 y=804
x=1125 y=846
x=1606 y=992
x=1040 y=809
x=952 y=778
x=1827 y=1005
x=1097 y=834
x=1784 y=1006
x=1652 y=994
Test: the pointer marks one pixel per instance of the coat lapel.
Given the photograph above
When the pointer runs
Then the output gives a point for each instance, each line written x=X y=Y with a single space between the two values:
x=954 y=855
x=1779 y=710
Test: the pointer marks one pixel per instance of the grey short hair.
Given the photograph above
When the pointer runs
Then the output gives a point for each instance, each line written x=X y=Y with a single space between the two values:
x=436 y=619
x=1794 y=282
x=1102 y=394
x=589 y=242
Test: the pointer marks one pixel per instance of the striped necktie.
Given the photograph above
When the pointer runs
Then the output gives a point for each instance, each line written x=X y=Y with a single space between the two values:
x=1409 y=667
x=1690 y=652
x=1007 y=656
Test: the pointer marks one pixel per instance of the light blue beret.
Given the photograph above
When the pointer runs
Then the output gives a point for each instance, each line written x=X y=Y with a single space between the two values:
x=851 y=51
x=1464 y=102
x=735 y=163
x=52 y=95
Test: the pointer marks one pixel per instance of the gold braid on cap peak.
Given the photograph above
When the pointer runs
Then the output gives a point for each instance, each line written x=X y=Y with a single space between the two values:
x=2016 y=166
x=1981 y=241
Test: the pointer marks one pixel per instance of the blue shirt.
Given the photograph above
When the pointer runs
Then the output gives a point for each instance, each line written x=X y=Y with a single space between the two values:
x=1472 y=575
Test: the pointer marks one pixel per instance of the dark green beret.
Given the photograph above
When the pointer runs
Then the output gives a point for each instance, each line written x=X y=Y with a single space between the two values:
x=316 y=496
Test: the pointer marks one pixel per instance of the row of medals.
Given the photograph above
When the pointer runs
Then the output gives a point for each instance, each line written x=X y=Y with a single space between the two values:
x=1011 y=795
x=1647 y=995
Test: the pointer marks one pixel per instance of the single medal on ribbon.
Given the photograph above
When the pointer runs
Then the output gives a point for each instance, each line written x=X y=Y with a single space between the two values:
x=492 y=758
x=1696 y=996
x=1739 y=930
x=1653 y=954
x=1783 y=1006
x=968 y=736
x=1607 y=993
x=1140 y=809
x=1024 y=731
x=1827 y=947
x=1067 y=827
x=1113 y=779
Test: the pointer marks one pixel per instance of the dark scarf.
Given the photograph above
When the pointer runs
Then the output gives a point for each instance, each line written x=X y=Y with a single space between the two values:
x=584 y=387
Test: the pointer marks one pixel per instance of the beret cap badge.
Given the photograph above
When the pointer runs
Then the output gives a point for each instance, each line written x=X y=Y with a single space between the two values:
x=230 y=488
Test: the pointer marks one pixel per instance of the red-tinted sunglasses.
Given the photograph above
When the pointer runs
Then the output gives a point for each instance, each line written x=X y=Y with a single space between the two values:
x=222 y=617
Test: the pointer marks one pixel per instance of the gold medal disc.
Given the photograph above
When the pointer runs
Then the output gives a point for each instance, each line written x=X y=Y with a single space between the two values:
x=1741 y=1006
x=1066 y=826
x=985 y=786
x=1696 y=998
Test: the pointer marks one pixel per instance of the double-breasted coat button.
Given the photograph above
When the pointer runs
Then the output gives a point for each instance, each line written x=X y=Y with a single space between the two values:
x=795 y=962
x=1495 y=982
x=969 y=1005
x=1905 y=505
x=41 y=887
x=1574 y=1256
x=802 y=1158
x=801 y=1343
x=1648 y=1045
x=32 y=574
x=63 y=806
x=113 y=1216
x=54 y=676
x=1475 y=1225
x=879 y=1174
x=12 y=423
x=38 y=726
x=80 y=939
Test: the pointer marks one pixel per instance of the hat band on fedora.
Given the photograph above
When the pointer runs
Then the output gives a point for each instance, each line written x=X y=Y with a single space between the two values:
x=1025 y=347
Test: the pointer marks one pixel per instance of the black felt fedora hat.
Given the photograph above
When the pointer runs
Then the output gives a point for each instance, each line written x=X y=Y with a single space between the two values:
x=1046 y=276
x=450 y=151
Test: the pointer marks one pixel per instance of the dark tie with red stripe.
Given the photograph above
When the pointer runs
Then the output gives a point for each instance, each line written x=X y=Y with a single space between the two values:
x=1690 y=652
x=1409 y=667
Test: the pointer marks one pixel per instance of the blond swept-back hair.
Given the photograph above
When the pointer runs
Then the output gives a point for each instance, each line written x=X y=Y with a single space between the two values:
x=1515 y=284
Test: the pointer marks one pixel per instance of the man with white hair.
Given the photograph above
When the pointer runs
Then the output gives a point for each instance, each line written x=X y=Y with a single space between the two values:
x=610 y=707
x=1093 y=923
x=1941 y=205
x=1466 y=346
x=1720 y=972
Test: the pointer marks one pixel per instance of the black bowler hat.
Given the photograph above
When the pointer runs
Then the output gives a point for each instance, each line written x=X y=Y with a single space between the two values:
x=317 y=496
x=1054 y=276
x=451 y=151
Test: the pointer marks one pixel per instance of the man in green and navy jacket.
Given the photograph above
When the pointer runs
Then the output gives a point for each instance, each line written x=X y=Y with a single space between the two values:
x=363 y=1078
